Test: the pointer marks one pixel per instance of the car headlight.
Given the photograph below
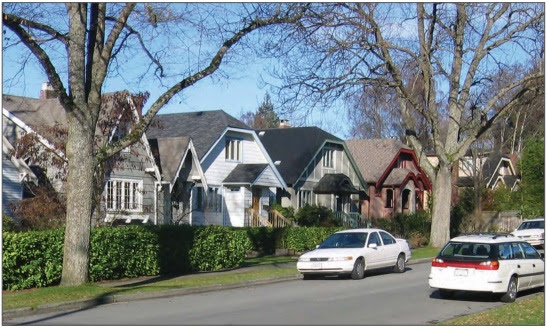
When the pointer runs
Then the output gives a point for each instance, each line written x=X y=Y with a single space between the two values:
x=341 y=258
x=303 y=259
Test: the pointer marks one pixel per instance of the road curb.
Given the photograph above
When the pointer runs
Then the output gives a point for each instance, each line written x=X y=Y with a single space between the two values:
x=68 y=306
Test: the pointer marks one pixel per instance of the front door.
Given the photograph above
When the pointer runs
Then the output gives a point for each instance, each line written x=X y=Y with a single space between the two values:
x=256 y=194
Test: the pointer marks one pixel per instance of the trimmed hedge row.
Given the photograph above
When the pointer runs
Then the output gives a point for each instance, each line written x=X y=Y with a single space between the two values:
x=35 y=258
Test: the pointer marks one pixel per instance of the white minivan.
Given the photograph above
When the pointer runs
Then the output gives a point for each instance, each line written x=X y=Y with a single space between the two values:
x=497 y=263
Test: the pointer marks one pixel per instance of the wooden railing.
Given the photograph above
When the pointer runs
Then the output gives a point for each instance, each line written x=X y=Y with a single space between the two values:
x=278 y=220
x=253 y=218
x=274 y=220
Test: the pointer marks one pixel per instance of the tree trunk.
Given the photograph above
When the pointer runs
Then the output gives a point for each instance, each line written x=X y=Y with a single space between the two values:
x=440 y=227
x=79 y=202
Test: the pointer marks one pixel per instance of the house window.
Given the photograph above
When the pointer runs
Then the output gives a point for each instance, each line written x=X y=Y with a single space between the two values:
x=199 y=198
x=125 y=195
x=389 y=198
x=214 y=199
x=118 y=134
x=328 y=160
x=233 y=150
x=305 y=198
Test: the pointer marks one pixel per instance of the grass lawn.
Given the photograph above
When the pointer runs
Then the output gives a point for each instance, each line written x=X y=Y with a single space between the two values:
x=424 y=252
x=524 y=312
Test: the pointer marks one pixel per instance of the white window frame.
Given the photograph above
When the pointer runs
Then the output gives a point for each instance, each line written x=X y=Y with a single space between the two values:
x=329 y=158
x=124 y=195
x=232 y=146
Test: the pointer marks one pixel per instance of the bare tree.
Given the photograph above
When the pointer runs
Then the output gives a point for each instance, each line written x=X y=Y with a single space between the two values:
x=455 y=47
x=90 y=42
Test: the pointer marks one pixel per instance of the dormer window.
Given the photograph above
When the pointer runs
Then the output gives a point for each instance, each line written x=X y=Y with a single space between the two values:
x=328 y=160
x=233 y=150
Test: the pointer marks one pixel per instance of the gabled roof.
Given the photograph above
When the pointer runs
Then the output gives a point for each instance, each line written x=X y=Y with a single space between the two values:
x=245 y=173
x=39 y=115
x=374 y=156
x=168 y=153
x=203 y=127
x=376 y=159
x=335 y=184
x=294 y=148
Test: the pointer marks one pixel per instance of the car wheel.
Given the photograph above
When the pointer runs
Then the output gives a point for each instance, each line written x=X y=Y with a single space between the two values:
x=511 y=293
x=400 y=266
x=308 y=276
x=445 y=294
x=358 y=269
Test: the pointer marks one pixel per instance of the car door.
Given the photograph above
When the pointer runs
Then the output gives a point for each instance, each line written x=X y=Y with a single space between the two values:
x=523 y=268
x=390 y=249
x=373 y=254
x=531 y=257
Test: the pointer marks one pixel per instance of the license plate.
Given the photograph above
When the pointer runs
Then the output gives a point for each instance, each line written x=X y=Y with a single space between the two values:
x=460 y=272
x=316 y=266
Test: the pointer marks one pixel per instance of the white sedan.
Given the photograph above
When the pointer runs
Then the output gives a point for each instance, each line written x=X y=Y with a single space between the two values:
x=532 y=231
x=354 y=251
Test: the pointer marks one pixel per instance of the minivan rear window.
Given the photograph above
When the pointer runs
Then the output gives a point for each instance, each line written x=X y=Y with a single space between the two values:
x=466 y=251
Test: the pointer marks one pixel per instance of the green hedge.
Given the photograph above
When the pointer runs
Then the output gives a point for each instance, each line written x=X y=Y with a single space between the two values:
x=303 y=238
x=35 y=258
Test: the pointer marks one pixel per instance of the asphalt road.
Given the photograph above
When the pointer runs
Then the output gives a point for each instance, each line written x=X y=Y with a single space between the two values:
x=382 y=298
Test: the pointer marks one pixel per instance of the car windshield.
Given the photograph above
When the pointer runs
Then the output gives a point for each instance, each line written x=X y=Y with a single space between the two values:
x=532 y=225
x=466 y=250
x=345 y=240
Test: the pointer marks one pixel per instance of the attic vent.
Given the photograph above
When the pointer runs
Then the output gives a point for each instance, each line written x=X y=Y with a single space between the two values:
x=261 y=133
x=277 y=162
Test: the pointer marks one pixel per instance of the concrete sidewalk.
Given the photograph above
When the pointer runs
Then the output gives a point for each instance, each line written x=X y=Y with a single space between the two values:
x=69 y=306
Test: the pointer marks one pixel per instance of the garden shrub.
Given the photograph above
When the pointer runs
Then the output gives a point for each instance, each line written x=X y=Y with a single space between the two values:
x=414 y=227
x=263 y=239
x=31 y=259
x=218 y=247
x=313 y=215
x=304 y=238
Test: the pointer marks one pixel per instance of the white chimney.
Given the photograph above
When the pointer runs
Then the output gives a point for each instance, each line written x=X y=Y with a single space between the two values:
x=284 y=123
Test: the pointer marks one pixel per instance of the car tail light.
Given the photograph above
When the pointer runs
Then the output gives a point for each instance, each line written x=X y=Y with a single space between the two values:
x=488 y=265
x=485 y=265
x=438 y=263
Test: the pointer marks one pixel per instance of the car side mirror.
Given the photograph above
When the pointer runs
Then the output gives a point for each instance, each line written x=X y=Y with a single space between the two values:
x=372 y=245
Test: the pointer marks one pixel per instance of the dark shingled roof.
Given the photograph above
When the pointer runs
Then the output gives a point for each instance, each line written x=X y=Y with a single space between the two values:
x=335 y=184
x=203 y=127
x=245 y=173
x=294 y=147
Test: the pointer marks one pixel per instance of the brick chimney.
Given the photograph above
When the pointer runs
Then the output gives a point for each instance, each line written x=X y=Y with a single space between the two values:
x=284 y=124
x=47 y=92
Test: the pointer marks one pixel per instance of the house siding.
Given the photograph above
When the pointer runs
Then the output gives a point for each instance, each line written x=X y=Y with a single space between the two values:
x=13 y=132
x=133 y=168
x=314 y=173
x=216 y=168
x=12 y=188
